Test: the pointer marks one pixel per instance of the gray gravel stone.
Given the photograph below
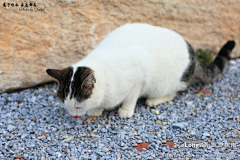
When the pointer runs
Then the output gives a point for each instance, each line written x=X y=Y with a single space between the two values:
x=11 y=128
x=179 y=125
x=93 y=157
x=206 y=134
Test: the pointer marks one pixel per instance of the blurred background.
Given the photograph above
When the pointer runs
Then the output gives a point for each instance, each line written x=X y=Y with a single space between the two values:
x=37 y=35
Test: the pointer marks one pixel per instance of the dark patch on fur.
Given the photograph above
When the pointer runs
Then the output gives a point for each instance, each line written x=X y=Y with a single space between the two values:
x=219 y=62
x=64 y=86
x=188 y=74
x=82 y=84
x=224 y=55
x=208 y=73
x=226 y=50
x=64 y=79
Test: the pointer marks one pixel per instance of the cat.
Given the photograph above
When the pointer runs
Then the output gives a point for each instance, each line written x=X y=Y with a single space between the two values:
x=135 y=60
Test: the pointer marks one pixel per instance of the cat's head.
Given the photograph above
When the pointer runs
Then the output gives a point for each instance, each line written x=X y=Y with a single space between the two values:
x=75 y=89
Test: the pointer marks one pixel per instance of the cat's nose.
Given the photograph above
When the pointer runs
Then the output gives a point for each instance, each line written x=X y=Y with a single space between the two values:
x=77 y=117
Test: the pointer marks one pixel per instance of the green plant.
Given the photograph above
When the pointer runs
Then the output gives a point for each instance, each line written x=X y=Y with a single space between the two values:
x=204 y=56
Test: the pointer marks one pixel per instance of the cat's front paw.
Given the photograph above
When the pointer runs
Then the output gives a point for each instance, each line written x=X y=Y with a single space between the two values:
x=95 y=112
x=125 y=113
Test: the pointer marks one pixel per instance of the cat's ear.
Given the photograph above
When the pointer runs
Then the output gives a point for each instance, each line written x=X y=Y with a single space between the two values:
x=58 y=74
x=89 y=81
x=87 y=85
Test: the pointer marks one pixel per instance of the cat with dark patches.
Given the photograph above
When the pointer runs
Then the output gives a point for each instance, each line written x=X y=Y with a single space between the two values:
x=135 y=60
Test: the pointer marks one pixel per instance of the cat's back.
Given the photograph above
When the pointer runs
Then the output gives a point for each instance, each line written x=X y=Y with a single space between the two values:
x=139 y=34
x=150 y=47
x=144 y=43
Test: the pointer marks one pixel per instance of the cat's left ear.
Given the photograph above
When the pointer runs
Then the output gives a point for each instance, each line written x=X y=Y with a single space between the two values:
x=85 y=82
x=89 y=81
x=58 y=74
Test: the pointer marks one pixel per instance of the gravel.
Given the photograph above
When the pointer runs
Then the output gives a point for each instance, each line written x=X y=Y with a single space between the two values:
x=33 y=124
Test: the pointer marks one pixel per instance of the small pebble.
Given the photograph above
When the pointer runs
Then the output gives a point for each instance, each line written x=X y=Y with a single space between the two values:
x=105 y=150
x=93 y=157
x=164 y=123
x=59 y=155
x=206 y=134
x=11 y=128
x=89 y=128
x=179 y=125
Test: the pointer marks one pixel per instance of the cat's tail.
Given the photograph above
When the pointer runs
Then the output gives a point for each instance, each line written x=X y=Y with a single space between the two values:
x=208 y=73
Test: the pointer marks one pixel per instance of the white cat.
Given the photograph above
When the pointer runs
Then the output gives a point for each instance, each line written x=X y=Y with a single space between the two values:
x=135 y=60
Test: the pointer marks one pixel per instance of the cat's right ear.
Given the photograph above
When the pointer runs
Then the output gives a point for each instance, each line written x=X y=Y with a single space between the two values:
x=58 y=74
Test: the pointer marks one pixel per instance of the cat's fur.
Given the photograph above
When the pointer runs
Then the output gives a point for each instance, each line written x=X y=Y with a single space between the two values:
x=134 y=60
